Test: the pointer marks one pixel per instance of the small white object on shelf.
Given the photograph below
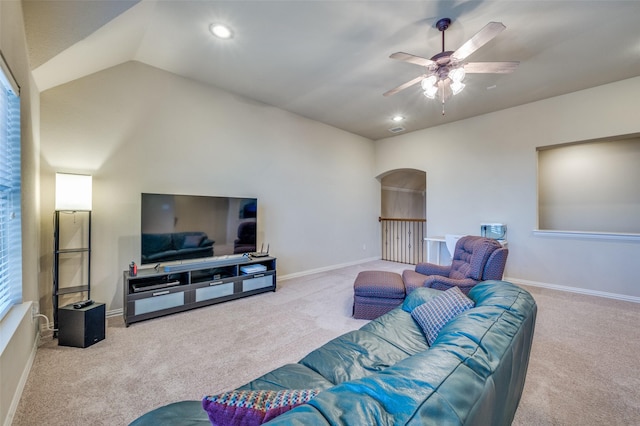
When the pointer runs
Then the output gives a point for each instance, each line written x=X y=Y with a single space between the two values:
x=252 y=269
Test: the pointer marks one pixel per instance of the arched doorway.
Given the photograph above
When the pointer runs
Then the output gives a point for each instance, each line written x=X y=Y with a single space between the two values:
x=403 y=215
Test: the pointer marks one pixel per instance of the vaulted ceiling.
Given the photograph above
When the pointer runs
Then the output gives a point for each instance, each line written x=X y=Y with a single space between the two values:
x=329 y=60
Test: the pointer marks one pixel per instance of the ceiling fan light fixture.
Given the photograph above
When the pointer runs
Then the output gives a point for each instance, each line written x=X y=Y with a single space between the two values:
x=445 y=70
x=221 y=31
x=457 y=86
x=429 y=82
x=431 y=91
x=457 y=74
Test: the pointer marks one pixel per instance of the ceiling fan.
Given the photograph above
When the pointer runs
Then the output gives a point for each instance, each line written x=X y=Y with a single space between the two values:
x=446 y=70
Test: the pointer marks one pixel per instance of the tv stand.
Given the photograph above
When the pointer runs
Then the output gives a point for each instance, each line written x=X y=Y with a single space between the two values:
x=172 y=288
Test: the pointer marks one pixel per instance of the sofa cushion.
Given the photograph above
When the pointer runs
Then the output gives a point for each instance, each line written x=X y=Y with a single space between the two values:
x=399 y=329
x=247 y=408
x=418 y=296
x=437 y=312
x=289 y=376
x=355 y=354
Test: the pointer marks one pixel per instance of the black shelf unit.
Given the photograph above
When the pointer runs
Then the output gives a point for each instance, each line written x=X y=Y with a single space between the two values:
x=178 y=287
x=59 y=289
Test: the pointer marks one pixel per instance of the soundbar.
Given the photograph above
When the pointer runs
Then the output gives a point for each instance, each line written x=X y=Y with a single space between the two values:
x=203 y=264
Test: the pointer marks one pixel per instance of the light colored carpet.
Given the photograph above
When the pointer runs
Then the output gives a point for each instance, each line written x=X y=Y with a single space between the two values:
x=583 y=368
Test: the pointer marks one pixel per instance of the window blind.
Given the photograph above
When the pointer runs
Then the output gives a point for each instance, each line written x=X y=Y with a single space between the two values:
x=10 y=202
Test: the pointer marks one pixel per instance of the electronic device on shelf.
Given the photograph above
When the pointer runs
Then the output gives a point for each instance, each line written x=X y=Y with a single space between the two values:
x=260 y=253
x=497 y=231
x=177 y=227
x=252 y=269
x=146 y=287
x=83 y=304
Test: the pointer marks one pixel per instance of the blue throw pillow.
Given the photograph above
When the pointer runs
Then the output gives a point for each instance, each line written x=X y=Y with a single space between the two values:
x=418 y=296
x=252 y=407
x=437 y=312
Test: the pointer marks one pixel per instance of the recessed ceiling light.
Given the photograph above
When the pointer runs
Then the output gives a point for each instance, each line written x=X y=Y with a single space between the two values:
x=221 y=31
x=397 y=118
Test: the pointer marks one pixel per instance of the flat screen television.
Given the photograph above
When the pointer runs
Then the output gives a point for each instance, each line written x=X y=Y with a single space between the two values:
x=182 y=227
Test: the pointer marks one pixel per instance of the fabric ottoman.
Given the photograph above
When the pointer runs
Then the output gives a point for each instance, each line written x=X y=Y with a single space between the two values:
x=376 y=293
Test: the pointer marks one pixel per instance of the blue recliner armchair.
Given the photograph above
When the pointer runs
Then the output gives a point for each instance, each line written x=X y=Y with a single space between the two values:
x=475 y=259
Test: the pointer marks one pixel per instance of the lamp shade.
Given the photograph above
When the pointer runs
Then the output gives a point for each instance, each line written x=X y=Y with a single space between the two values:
x=456 y=87
x=73 y=192
x=457 y=74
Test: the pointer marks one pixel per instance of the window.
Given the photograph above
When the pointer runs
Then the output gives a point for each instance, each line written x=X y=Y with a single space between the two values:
x=10 y=217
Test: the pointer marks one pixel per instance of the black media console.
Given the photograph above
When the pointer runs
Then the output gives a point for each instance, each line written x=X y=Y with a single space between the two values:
x=179 y=287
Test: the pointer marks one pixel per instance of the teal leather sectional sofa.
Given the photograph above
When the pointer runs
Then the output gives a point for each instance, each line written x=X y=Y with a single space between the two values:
x=386 y=374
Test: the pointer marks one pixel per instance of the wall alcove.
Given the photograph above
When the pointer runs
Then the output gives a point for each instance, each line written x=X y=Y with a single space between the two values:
x=403 y=215
x=590 y=187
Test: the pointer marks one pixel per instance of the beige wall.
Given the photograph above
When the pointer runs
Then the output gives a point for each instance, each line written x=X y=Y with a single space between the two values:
x=18 y=332
x=402 y=203
x=484 y=170
x=591 y=186
x=139 y=129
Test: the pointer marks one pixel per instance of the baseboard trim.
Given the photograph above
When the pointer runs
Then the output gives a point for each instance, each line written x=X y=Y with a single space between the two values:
x=115 y=313
x=325 y=269
x=577 y=290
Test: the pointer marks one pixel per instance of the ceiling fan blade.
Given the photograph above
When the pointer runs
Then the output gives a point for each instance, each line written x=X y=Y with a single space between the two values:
x=405 y=85
x=407 y=57
x=481 y=38
x=491 y=67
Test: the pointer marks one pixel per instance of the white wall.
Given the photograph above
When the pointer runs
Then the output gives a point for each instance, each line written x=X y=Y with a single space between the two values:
x=483 y=169
x=139 y=129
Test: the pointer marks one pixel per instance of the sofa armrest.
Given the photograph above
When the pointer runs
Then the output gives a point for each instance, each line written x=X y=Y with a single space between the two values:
x=445 y=283
x=433 y=269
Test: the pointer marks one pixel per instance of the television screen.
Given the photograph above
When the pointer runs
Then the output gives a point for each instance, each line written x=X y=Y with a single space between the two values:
x=180 y=227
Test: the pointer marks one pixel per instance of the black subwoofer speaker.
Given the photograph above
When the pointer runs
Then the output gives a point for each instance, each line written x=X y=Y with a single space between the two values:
x=81 y=327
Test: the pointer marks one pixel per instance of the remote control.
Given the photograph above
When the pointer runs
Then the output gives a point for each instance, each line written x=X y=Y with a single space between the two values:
x=83 y=304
